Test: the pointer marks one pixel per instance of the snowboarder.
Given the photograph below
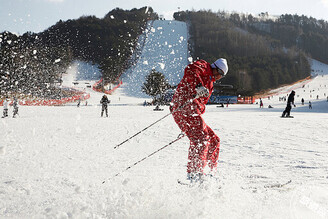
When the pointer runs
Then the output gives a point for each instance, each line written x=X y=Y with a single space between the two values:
x=15 y=105
x=290 y=101
x=104 y=103
x=187 y=106
x=5 y=108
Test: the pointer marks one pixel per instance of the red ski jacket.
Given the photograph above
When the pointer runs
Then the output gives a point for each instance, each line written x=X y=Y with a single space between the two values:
x=196 y=74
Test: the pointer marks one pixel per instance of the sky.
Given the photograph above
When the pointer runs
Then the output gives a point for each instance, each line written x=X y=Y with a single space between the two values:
x=20 y=16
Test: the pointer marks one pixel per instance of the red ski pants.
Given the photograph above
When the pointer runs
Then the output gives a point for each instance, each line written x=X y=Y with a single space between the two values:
x=204 y=143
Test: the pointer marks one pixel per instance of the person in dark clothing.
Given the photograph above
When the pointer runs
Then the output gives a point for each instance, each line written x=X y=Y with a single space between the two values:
x=104 y=102
x=79 y=102
x=5 y=107
x=15 y=105
x=290 y=101
x=302 y=101
x=261 y=103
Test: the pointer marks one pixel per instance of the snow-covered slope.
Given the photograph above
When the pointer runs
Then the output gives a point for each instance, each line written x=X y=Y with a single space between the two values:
x=80 y=71
x=53 y=160
x=165 y=50
x=318 y=68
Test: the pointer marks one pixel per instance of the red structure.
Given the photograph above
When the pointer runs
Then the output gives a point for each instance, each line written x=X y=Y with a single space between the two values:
x=245 y=100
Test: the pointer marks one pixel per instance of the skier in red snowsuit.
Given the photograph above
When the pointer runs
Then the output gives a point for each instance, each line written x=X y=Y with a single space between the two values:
x=187 y=106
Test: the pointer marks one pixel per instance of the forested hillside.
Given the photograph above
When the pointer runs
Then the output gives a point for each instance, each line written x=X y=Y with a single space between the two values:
x=260 y=50
x=31 y=63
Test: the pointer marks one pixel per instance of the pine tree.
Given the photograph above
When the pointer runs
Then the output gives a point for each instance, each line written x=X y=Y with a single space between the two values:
x=155 y=85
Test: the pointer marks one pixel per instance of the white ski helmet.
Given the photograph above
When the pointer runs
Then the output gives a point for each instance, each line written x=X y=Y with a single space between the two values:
x=222 y=64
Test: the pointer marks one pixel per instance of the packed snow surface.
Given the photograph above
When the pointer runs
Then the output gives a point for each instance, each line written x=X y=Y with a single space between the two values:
x=54 y=160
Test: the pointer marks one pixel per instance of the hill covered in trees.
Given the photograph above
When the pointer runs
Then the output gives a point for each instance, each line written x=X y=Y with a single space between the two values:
x=262 y=52
x=33 y=62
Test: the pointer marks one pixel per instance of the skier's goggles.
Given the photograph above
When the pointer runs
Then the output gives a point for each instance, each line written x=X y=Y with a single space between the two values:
x=219 y=70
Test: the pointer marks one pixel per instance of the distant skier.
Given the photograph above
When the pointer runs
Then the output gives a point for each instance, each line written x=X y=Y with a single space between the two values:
x=197 y=86
x=261 y=103
x=310 y=105
x=104 y=105
x=302 y=101
x=5 y=108
x=79 y=102
x=290 y=101
x=15 y=105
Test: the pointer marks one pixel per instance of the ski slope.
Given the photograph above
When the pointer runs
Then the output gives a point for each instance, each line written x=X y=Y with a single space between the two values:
x=54 y=160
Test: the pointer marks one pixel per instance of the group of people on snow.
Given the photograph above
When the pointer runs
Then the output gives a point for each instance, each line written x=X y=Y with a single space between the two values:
x=5 y=107
x=104 y=103
x=187 y=106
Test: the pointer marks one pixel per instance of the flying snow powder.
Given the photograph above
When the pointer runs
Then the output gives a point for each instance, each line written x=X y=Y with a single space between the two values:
x=162 y=65
x=57 y=60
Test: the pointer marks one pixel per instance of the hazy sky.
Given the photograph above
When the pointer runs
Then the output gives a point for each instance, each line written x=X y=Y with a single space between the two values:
x=20 y=16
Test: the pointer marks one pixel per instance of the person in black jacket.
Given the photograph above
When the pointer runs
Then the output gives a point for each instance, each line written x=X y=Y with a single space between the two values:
x=104 y=102
x=290 y=101
x=15 y=105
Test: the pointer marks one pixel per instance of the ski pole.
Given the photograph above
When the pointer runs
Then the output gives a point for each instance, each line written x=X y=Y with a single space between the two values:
x=141 y=131
x=185 y=104
x=178 y=138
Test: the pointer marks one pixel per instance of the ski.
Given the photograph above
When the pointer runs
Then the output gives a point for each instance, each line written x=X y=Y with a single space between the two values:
x=277 y=185
x=183 y=183
x=268 y=186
